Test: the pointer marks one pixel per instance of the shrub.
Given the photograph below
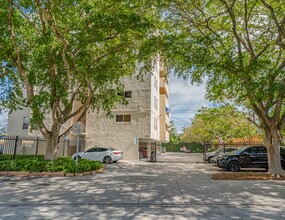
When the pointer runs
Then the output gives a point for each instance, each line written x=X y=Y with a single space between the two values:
x=31 y=163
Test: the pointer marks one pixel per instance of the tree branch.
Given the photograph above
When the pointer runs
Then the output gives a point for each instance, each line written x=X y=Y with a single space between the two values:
x=4 y=73
x=29 y=20
x=246 y=18
x=280 y=26
x=18 y=61
x=41 y=16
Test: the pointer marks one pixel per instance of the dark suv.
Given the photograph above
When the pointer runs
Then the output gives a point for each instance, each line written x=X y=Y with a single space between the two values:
x=247 y=157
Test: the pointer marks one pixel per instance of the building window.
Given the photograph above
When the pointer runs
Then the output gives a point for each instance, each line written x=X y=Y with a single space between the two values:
x=155 y=103
x=126 y=94
x=123 y=118
x=155 y=82
x=155 y=124
x=26 y=123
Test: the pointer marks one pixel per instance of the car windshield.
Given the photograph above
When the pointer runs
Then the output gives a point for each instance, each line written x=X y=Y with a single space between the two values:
x=222 y=150
x=239 y=151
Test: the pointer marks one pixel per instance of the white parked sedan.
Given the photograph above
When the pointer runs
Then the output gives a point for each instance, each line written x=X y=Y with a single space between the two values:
x=102 y=154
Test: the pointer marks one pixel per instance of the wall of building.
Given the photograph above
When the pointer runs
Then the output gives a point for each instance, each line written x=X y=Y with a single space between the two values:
x=16 y=121
x=164 y=119
x=155 y=103
x=105 y=131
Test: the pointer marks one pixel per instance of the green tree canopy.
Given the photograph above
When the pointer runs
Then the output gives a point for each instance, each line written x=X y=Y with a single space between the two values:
x=57 y=53
x=219 y=124
x=239 y=45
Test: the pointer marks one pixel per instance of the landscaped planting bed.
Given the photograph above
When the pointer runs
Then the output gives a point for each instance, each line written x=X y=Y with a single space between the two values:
x=30 y=165
x=245 y=176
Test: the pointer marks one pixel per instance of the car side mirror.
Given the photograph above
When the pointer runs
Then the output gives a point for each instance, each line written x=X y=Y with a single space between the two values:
x=245 y=153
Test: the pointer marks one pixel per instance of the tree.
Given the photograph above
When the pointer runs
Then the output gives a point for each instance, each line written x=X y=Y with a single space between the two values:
x=173 y=135
x=218 y=124
x=174 y=138
x=239 y=45
x=57 y=53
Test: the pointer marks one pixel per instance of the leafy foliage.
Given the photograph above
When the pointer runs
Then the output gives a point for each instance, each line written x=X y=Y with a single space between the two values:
x=176 y=142
x=59 y=54
x=31 y=163
x=239 y=45
x=219 y=124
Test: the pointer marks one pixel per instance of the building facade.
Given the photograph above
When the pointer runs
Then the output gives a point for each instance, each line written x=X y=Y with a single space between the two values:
x=142 y=123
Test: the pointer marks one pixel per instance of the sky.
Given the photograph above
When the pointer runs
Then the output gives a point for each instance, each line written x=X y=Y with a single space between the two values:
x=185 y=100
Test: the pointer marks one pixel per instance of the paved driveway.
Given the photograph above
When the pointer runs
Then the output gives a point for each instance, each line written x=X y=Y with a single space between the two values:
x=180 y=157
x=139 y=190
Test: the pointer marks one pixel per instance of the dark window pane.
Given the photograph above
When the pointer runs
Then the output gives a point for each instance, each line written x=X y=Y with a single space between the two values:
x=26 y=123
x=263 y=150
x=119 y=118
x=253 y=150
x=127 y=117
x=91 y=150
x=128 y=94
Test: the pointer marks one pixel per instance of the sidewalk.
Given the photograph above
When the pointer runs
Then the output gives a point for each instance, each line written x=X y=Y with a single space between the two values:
x=137 y=190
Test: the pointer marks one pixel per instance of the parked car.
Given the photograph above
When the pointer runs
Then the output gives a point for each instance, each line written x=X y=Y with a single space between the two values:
x=247 y=157
x=102 y=154
x=210 y=156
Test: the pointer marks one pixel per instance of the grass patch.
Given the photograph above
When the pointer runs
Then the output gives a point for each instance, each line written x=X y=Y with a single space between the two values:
x=31 y=163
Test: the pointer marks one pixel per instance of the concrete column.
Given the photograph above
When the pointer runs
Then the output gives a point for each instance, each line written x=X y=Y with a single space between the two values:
x=148 y=151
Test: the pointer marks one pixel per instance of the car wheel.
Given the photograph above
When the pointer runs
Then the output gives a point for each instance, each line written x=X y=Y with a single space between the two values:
x=107 y=159
x=210 y=159
x=234 y=166
x=78 y=158
x=115 y=161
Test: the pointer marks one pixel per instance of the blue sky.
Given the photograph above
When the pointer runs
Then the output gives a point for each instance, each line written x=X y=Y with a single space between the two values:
x=185 y=100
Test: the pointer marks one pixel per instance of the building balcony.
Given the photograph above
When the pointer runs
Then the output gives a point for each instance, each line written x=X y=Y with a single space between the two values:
x=163 y=86
x=162 y=70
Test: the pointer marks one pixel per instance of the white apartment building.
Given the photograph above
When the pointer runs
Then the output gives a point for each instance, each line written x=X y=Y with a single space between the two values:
x=144 y=122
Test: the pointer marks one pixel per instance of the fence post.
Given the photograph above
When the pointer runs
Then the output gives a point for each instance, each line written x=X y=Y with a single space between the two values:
x=205 y=151
x=37 y=146
x=15 y=147
x=67 y=147
x=63 y=147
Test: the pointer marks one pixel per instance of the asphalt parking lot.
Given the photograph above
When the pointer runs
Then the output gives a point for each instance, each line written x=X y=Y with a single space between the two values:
x=141 y=190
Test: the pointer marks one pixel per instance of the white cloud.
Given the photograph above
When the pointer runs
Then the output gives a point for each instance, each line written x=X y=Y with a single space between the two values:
x=185 y=100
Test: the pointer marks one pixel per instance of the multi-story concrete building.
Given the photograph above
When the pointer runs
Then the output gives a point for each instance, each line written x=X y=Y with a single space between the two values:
x=144 y=122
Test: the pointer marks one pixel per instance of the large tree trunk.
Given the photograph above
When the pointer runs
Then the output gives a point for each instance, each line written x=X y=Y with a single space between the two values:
x=52 y=141
x=52 y=147
x=272 y=142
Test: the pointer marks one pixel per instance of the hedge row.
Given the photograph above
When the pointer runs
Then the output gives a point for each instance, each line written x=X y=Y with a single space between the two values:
x=31 y=163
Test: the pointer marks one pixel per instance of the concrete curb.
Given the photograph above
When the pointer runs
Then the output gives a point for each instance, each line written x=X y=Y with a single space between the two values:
x=49 y=174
